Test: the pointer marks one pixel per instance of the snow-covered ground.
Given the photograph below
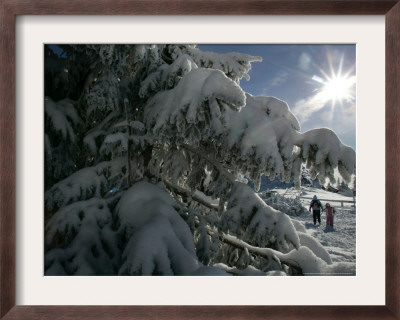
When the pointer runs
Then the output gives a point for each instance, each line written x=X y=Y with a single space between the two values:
x=340 y=241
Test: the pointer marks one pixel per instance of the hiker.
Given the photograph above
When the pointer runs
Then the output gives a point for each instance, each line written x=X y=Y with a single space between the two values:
x=330 y=211
x=316 y=207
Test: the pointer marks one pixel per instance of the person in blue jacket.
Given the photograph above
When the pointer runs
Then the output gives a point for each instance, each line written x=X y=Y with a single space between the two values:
x=316 y=206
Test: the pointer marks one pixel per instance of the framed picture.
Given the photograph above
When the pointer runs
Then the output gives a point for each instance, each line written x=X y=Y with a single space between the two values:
x=9 y=269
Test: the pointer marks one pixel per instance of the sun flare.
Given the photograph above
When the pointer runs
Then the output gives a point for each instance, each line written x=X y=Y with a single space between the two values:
x=338 y=88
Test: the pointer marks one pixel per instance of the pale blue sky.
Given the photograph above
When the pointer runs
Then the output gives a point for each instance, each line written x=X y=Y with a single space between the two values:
x=298 y=74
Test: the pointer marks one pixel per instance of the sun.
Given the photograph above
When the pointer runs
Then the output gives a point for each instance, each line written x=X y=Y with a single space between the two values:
x=336 y=85
x=338 y=88
x=332 y=90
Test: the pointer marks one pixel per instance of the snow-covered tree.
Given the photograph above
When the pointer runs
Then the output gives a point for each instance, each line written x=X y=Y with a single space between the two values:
x=290 y=206
x=144 y=145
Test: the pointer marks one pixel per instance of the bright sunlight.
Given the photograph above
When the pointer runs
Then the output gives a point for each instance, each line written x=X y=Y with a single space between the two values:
x=337 y=87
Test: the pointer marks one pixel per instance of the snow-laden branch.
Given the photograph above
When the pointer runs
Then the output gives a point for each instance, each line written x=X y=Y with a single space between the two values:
x=184 y=192
x=210 y=160
x=323 y=152
x=303 y=259
x=267 y=253
x=234 y=65
x=249 y=218
x=62 y=117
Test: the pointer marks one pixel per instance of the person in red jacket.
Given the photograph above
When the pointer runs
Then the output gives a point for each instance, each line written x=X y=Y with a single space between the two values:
x=330 y=211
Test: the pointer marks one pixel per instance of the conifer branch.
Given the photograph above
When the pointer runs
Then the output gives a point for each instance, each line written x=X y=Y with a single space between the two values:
x=184 y=192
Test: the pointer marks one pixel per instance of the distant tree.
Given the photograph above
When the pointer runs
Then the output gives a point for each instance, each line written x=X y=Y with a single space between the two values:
x=143 y=147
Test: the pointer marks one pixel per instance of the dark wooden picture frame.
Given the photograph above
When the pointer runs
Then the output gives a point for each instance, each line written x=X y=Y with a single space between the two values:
x=9 y=9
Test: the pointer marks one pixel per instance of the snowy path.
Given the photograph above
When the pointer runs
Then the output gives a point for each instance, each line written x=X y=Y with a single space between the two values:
x=340 y=241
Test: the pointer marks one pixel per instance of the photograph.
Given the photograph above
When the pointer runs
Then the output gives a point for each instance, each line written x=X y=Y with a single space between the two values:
x=200 y=159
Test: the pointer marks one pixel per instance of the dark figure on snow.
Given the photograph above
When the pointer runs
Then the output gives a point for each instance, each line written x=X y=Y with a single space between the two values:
x=316 y=207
